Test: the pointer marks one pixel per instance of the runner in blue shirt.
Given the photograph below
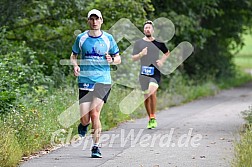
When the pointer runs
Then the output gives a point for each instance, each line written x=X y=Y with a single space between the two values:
x=97 y=50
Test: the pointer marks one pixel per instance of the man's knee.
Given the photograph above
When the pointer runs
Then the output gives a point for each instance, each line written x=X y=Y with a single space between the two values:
x=94 y=114
x=85 y=120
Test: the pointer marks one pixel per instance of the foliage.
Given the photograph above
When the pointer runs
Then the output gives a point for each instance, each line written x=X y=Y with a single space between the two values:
x=33 y=124
x=247 y=114
x=47 y=27
x=239 y=78
x=246 y=45
x=20 y=73
x=210 y=26
x=243 y=147
x=136 y=11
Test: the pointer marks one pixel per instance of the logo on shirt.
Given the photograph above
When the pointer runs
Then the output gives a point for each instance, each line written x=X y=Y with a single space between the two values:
x=94 y=54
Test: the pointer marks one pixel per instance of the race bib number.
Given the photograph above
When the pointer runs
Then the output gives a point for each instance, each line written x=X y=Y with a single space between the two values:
x=86 y=86
x=147 y=70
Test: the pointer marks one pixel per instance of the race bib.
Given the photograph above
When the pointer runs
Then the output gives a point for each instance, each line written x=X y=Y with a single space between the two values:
x=147 y=70
x=86 y=86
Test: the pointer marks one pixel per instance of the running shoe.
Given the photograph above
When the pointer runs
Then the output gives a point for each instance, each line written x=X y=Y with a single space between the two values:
x=96 y=152
x=152 y=123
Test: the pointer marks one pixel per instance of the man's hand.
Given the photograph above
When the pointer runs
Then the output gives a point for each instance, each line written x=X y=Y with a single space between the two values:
x=160 y=63
x=76 y=70
x=109 y=58
x=144 y=52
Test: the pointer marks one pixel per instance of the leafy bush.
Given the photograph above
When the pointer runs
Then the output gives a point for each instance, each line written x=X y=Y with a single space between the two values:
x=247 y=114
x=20 y=73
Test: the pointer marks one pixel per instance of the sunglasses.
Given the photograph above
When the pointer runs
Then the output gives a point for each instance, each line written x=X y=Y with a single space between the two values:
x=149 y=22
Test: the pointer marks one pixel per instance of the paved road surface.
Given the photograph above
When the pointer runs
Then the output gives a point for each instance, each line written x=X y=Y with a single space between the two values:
x=197 y=134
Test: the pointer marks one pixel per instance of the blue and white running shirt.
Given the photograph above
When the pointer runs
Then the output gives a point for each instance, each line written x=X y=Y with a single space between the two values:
x=94 y=67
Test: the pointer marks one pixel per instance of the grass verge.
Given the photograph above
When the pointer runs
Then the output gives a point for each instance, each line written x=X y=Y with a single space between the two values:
x=243 y=147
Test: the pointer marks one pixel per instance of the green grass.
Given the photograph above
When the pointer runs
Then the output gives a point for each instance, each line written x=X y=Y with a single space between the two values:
x=243 y=147
x=240 y=78
x=10 y=152
x=243 y=150
x=35 y=122
x=243 y=58
x=247 y=48
x=243 y=61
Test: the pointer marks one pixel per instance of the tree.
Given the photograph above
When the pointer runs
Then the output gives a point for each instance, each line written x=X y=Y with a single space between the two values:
x=211 y=26
x=48 y=26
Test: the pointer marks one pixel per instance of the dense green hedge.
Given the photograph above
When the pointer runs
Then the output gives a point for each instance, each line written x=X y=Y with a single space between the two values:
x=20 y=72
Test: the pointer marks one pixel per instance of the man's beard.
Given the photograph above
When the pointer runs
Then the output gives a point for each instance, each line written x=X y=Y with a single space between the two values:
x=148 y=35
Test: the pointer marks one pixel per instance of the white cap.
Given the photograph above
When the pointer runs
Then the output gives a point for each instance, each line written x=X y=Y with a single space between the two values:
x=95 y=12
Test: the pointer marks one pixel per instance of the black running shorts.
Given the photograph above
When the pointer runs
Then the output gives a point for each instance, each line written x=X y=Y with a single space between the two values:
x=100 y=90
